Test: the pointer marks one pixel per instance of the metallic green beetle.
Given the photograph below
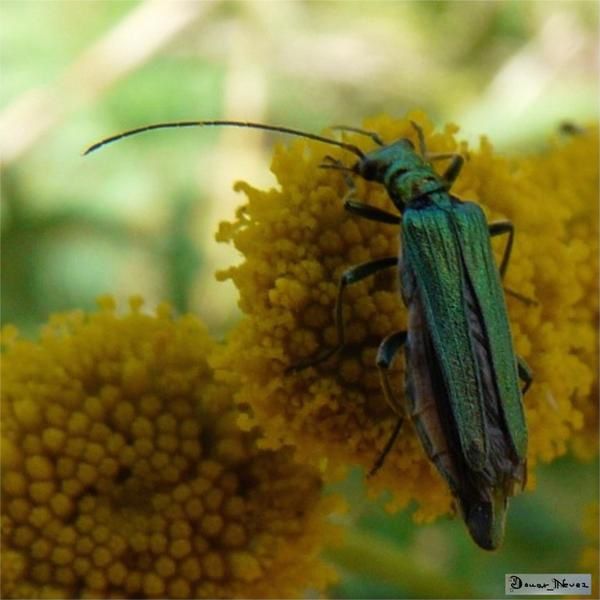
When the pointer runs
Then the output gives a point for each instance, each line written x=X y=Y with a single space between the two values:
x=462 y=372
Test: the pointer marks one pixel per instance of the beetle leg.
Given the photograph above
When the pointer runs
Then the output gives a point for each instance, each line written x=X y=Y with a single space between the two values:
x=431 y=156
x=525 y=374
x=455 y=166
x=352 y=275
x=500 y=228
x=421 y=137
x=366 y=211
x=329 y=162
x=523 y=299
x=451 y=173
x=385 y=357
x=381 y=458
x=353 y=206
x=374 y=136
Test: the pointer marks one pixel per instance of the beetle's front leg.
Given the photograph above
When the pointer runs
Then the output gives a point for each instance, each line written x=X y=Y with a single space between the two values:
x=453 y=169
x=356 y=207
x=352 y=275
x=451 y=173
x=372 y=213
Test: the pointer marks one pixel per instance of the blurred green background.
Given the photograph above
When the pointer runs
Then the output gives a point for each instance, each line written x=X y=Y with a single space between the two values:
x=140 y=217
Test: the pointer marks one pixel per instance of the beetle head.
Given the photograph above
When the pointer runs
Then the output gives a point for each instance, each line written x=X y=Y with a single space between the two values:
x=375 y=165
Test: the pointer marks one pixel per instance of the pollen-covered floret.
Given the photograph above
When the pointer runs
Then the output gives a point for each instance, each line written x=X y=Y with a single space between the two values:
x=297 y=240
x=126 y=475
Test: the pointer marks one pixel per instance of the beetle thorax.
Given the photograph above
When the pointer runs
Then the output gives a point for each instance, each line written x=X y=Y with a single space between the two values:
x=404 y=173
x=414 y=185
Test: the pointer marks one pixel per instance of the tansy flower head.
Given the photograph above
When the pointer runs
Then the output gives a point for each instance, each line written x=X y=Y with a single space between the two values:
x=571 y=170
x=126 y=475
x=296 y=242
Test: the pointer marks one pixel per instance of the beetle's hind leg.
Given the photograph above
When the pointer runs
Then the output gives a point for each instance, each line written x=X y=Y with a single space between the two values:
x=525 y=374
x=350 y=276
x=501 y=228
x=388 y=446
x=385 y=357
x=386 y=354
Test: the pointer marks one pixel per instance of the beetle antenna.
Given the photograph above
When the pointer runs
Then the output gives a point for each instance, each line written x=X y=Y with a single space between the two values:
x=287 y=130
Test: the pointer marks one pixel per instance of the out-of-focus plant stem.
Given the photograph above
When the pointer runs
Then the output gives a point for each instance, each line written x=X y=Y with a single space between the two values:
x=368 y=555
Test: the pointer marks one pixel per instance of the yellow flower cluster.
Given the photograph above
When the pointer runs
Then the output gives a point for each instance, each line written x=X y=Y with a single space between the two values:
x=296 y=242
x=571 y=171
x=126 y=475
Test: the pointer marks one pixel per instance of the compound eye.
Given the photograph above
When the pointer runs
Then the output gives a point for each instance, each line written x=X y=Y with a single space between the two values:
x=368 y=169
